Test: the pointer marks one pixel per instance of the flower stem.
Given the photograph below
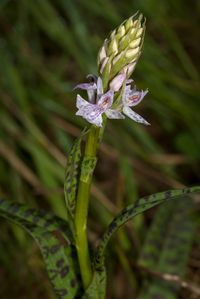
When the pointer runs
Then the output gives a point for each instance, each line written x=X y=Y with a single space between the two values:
x=81 y=212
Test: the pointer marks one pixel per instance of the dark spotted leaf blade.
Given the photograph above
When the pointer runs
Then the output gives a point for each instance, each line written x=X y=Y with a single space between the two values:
x=97 y=288
x=71 y=175
x=156 y=233
x=131 y=211
x=53 y=236
x=166 y=253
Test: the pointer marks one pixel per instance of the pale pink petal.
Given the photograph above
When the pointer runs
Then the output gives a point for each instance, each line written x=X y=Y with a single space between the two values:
x=99 y=86
x=129 y=68
x=79 y=112
x=106 y=100
x=134 y=116
x=80 y=102
x=117 y=82
x=125 y=94
x=89 y=112
x=86 y=86
x=113 y=114
x=97 y=121
x=93 y=115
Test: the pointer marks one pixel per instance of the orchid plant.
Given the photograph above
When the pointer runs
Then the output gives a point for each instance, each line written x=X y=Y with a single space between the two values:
x=74 y=270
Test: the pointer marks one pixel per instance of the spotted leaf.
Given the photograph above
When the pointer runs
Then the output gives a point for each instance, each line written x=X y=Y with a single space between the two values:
x=97 y=288
x=131 y=211
x=71 y=175
x=166 y=249
x=55 y=241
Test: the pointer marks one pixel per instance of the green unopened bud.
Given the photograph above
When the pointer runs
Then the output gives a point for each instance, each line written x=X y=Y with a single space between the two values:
x=113 y=47
x=102 y=55
x=135 y=43
x=132 y=53
x=128 y=24
x=122 y=49
x=121 y=31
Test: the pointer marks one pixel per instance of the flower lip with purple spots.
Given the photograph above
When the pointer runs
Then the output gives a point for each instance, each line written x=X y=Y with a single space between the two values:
x=131 y=98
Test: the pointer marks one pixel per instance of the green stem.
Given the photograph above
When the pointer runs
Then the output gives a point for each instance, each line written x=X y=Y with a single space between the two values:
x=81 y=212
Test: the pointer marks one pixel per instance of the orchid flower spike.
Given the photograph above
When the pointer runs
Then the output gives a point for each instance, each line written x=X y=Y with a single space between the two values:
x=130 y=98
x=98 y=104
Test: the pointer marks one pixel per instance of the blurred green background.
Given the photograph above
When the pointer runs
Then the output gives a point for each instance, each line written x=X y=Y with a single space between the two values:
x=46 y=48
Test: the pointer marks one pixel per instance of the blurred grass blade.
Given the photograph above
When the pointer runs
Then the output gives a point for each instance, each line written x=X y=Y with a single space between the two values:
x=45 y=14
x=50 y=233
x=171 y=249
x=131 y=211
x=130 y=181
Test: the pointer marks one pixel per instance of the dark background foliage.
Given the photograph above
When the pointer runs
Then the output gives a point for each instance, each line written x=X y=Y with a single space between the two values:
x=46 y=47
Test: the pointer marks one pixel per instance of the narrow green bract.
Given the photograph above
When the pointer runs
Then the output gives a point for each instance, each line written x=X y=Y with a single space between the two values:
x=72 y=171
x=87 y=168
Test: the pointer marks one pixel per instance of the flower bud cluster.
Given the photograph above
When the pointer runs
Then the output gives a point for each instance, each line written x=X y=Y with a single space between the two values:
x=120 y=52
x=112 y=94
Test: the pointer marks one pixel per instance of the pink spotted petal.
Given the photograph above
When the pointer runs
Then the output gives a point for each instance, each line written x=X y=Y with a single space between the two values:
x=113 y=114
x=106 y=100
x=80 y=102
x=93 y=115
x=134 y=116
x=136 y=97
x=90 y=112
x=97 y=121
x=125 y=94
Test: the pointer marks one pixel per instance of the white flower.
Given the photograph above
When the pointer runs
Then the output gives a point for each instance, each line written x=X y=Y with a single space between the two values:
x=130 y=98
x=98 y=104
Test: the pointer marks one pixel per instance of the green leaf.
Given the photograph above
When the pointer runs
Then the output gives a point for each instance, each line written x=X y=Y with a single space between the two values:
x=128 y=213
x=171 y=249
x=154 y=239
x=71 y=175
x=97 y=288
x=53 y=236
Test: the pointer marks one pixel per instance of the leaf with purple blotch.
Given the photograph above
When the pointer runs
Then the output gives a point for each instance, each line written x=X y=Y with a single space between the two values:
x=97 y=288
x=131 y=211
x=87 y=168
x=167 y=247
x=55 y=241
x=72 y=171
